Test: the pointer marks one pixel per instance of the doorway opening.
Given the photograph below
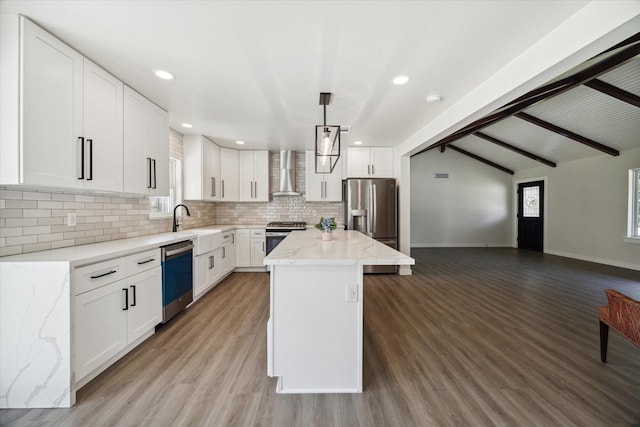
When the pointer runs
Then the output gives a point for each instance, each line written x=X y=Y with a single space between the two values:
x=531 y=215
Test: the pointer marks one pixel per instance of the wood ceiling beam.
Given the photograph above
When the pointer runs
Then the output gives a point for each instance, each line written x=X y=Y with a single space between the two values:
x=515 y=149
x=629 y=48
x=567 y=134
x=481 y=159
x=614 y=91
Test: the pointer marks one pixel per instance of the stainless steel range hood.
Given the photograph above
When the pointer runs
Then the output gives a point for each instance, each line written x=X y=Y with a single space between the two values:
x=287 y=174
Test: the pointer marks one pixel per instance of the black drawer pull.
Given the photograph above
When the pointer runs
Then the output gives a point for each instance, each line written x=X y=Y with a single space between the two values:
x=144 y=262
x=104 y=274
x=133 y=287
x=126 y=299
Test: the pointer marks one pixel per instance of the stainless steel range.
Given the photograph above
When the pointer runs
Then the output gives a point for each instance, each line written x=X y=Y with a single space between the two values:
x=277 y=231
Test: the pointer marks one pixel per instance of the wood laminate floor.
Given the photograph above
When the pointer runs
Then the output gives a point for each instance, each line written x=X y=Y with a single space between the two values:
x=475 y=337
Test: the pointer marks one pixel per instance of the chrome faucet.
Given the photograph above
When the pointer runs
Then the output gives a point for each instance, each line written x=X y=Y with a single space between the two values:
x=175 y=222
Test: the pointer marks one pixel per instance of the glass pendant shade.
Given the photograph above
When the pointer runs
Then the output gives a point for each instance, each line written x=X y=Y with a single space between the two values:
x=327 y=141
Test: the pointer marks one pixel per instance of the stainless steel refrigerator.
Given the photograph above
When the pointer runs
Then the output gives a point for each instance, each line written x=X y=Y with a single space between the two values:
x=370 y=206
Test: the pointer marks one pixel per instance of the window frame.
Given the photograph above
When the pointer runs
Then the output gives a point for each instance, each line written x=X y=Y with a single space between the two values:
x=633 y=226
x=175 y=191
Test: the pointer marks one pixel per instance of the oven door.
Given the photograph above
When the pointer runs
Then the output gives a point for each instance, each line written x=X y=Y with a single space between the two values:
x=274 y=238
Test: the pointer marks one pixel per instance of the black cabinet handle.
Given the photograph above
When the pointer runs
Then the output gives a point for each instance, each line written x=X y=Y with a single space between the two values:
x=90 y=177
x=133 y=287
x=224 y=252
x=213 y=187
x=222 y=190
x=144 y=262
x=149 y=185
x=126 y=299
x=81 y=141
x=155 y=179
x=104 y=274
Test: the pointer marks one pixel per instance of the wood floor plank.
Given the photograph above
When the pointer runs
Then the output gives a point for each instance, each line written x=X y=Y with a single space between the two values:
x=490 y=336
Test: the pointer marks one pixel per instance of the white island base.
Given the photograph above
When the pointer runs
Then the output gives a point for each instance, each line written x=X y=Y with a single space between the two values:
x=315 y=329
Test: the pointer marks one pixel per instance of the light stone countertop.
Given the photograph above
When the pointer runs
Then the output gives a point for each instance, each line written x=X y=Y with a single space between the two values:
x=346 y=248
x=97 y=252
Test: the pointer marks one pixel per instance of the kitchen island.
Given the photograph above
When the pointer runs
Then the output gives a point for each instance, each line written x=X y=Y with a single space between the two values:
x=315 y=327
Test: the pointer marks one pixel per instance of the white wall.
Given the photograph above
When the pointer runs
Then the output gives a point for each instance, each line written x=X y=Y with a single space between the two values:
x=587 y=208
x=473 y=207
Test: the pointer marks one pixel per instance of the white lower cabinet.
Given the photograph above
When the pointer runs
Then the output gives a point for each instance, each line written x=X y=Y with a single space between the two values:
x=207 y=271
x=212 y=266
x=101 y=327
x=250 y=249
x=112 y=312
x=145 y=303
x=228 y=260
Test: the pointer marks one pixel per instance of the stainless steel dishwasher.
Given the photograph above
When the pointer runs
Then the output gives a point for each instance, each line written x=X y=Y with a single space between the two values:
x=177 y=278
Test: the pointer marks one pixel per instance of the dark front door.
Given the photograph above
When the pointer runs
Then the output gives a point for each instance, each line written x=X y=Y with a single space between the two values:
x=530 y=215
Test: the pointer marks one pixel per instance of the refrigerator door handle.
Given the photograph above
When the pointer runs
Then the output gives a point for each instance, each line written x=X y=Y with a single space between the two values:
x=374 y=207
x=370 y=216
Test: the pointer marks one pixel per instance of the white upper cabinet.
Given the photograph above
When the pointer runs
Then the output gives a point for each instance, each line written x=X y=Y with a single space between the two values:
x=254 y=176
x=70 y=132
x=103 y=138
x=51 y=105
x=229 y=175
x=370 y=162
x=146 y=146
x=201 y=168
x=322 y=187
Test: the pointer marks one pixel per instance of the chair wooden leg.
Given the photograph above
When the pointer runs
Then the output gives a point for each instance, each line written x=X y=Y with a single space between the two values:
x=604 y=340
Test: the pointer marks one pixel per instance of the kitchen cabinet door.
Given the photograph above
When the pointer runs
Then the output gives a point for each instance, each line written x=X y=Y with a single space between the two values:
x=103 y=129
x=254 y=176
x=257 y=252
x=261 y=175
x=358 y=162
x=322 y=187
x=157 y=146
x=100 y=326
x=229 y=175
x=382 y=162
x=52 y=84
x=370 y=162
x=201 y=168
x=243 y=248
x=146 y=146
x=145 y=303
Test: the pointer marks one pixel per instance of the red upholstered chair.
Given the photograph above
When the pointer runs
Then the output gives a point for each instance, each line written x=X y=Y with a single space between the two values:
x=623 y=315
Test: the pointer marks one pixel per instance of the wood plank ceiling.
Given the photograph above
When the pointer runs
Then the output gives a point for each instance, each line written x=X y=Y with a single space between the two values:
x=592 y=109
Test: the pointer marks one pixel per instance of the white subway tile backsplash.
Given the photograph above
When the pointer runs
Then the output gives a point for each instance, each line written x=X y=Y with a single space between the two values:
x=21 y=204
x=21 y=222
x=10 y=195
x=43 y=229
x=21 y=240
x=11 y=232
x=33 y=195
x=36 y=213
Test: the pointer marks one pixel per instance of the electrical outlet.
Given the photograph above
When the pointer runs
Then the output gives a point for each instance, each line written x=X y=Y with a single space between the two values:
x=71 y=219
x=352 y=293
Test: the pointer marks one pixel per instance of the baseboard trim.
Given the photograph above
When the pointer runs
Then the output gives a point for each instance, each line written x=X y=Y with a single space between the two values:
x=461 y=245
x=597 y=260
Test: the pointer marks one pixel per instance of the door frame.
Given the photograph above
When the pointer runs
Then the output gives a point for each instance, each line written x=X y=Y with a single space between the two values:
x=545 y=211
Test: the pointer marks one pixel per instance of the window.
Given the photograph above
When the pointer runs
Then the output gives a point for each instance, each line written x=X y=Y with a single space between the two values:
x=163 y=206
x=634 y=203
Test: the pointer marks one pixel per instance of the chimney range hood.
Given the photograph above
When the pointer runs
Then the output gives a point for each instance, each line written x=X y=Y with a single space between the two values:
x=287 y=174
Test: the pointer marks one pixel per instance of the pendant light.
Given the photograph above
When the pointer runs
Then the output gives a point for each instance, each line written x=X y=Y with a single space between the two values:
x=327 y=140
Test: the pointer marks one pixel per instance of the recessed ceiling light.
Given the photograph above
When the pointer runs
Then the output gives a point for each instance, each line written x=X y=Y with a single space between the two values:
x=400 y=80
x=434 y=98
x=164 y=75
x=240 y=142
x=187 y=125
x=357 y=142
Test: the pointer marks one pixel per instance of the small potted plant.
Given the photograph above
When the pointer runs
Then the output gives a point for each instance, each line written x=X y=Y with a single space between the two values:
x=327 y=225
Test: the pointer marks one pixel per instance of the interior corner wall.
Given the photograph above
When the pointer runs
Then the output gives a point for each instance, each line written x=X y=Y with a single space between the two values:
x=472 y=207
x=587 y=208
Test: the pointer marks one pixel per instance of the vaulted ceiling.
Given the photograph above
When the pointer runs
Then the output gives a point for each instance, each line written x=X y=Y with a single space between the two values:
x=592 y=109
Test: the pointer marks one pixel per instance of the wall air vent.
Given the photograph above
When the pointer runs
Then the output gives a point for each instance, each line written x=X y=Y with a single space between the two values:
x=345 y=129
x=442 y=175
